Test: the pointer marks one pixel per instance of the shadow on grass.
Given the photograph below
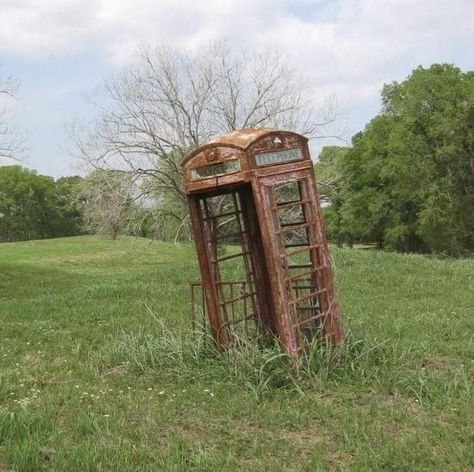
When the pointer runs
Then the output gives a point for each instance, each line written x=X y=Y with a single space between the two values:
x=29 y=280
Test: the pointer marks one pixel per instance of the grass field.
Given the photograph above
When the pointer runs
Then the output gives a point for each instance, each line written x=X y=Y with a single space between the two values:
x=98 y=369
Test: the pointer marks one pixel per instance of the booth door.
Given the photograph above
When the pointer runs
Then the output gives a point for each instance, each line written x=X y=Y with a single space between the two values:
x=236 y=287
x=298 y=253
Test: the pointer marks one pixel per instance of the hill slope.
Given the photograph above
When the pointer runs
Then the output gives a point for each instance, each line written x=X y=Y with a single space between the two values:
x=91 y=378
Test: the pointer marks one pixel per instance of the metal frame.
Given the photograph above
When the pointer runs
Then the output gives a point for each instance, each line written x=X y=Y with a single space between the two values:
x=285 y=296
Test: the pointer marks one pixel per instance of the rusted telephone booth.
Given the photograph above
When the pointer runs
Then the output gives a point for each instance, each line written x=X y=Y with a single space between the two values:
x=260 y=237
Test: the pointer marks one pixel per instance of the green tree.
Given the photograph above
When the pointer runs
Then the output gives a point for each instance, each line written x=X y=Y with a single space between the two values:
x=432 y=150
x=329 y=175
x=26 y=204
x=33 y=206
x=69 y=212
x=365 y=207
x=410 y=174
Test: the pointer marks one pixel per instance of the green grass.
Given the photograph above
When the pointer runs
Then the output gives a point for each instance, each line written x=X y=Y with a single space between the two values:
x=99 y=370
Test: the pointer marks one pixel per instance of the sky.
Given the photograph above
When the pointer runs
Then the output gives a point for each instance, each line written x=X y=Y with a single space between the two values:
x=60 y=51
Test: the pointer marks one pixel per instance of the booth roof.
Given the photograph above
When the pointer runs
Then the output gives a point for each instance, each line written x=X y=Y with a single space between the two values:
x=241 y=138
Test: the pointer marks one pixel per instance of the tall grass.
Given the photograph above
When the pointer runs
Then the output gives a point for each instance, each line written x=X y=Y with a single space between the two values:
x=263 y=367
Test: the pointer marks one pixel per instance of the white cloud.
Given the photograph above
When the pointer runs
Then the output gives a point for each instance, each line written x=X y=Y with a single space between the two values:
x=350 y=44
x=345 y=47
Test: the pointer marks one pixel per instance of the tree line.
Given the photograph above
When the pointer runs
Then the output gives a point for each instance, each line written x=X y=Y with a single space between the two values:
x=36 y=206
x=407 y=181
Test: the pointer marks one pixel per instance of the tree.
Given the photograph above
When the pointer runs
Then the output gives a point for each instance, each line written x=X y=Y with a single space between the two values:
x=10 y=144
x=330 y=179
x=410 y=175
x=170 y=102
x=366 y=191
x=432 y=150
x=69 y=212
x=107 y=203
x=34 y=206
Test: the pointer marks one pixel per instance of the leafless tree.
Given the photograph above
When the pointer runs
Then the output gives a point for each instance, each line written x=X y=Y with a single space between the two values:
x=171 y=101
x=106 y=201
x=10 y=142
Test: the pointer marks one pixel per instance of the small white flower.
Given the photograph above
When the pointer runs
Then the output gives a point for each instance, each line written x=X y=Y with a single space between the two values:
x=161 y=393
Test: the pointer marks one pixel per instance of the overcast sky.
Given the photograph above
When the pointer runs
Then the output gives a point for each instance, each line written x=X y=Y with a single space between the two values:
x=60 y=50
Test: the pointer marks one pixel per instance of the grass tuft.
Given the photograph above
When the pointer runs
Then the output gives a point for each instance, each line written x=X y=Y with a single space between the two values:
x=263 y=367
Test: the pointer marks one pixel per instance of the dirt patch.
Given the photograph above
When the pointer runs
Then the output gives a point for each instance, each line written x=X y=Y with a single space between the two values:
x=30 y=360
x=438 y=363
x=192 y=431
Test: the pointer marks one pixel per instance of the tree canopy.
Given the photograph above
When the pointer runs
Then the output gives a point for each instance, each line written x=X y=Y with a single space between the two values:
x=36 y=206
x=407 y=182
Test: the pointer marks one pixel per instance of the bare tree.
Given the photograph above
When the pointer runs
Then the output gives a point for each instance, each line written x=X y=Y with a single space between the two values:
x=106 y=202
x=170 y=102
x=10 y=142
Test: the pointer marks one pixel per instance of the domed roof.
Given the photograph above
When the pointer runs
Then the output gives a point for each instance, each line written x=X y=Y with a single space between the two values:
x=241 y=139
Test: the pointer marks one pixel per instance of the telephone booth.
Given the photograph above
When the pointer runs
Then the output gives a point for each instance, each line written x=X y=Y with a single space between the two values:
x=260 y=238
